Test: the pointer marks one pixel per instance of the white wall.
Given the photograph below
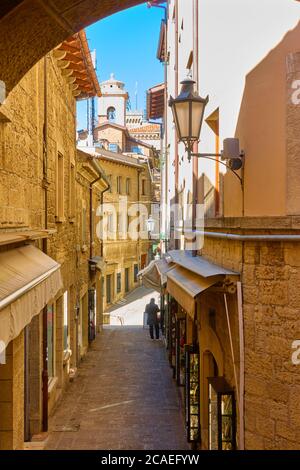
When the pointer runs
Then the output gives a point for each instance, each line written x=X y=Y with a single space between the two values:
x=118 y=102
x=235 y=36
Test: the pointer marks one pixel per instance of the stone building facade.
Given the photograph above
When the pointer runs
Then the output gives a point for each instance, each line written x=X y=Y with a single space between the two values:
x=122 y=223
x=244 y=324
x=38 y=239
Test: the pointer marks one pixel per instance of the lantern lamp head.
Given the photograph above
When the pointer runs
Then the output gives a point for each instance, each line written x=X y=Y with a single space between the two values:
x=188 y=111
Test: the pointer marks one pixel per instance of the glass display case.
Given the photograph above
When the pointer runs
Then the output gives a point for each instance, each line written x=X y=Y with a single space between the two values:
x=192 y=393
x=222 y=415
x=180 y=351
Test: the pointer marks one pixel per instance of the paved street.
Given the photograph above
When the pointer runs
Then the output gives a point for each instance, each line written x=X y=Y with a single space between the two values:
x=129 y=311
x=124 y=396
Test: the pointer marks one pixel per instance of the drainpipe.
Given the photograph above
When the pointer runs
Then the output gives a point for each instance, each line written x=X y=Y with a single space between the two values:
x=195 y=160
x=45 y=250
x=91 y=215
x=176 y=160
x=98 y=169
x=242 y=366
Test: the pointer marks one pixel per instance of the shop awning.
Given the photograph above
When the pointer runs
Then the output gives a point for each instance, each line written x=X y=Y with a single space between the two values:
x=97 y=262
x=29 y=279
x=185 y=286
x=154 y=276
x=198 y=264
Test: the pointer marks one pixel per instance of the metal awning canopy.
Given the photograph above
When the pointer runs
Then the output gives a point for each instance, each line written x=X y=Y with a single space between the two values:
x=29 y=279
x=198 y=264
x=192 y=276
x=185 y=286
x=154 y=276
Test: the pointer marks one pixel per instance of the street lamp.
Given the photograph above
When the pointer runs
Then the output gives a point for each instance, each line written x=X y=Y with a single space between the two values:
x=150 y=224
x=188 y=111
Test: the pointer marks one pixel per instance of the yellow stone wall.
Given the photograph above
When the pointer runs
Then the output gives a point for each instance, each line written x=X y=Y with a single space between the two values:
x=22 y=189
x=12 y=396
x=121 y=254
x=270 y=275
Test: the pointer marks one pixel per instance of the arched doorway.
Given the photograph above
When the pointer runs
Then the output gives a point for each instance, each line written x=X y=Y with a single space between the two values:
x=31 y=28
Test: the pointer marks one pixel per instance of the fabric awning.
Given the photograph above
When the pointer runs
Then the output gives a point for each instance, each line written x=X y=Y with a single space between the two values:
x=198 y=264
x=154 y=276
x=185 y=286
x=29 y=279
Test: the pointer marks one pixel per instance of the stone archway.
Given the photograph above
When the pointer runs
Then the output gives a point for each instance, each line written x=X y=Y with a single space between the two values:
x=31 y=28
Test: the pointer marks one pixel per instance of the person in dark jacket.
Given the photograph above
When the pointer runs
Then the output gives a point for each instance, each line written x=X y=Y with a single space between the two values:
x=152 y=320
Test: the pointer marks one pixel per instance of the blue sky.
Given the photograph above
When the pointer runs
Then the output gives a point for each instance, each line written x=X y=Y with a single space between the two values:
x=126 y=44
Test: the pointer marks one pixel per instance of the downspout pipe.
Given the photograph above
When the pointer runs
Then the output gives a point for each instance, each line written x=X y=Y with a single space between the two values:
x=98 y=170
x=242 y=367
x=45 y=250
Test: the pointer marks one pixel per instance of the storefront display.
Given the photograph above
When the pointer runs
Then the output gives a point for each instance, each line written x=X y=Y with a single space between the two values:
x=172 y=334
x=192 y=393
x=222 y=415
x=180 y=351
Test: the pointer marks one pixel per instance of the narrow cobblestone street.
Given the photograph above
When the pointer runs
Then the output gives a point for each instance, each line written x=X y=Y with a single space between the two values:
x=124 y=396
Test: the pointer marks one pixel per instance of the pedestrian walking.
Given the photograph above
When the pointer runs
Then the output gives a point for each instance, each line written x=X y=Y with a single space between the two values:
x=152 y=319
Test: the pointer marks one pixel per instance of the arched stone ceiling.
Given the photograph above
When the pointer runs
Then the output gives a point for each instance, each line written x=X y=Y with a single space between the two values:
x=31 y=28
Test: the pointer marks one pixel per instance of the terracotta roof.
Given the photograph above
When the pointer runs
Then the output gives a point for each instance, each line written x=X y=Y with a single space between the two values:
x=74 y=57
x=144 y=129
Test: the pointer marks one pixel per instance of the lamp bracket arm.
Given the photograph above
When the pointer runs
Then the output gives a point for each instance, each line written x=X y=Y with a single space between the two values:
x=213 y=157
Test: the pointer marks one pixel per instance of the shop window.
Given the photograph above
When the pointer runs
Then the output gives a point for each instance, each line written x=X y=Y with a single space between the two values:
x=50 y=340
x=192 y=393
x=180 y=350
x=135 y=272
x=59 y=188
x=172 y=335
x=222 y=415
x=66 y=321
x=119 y=283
